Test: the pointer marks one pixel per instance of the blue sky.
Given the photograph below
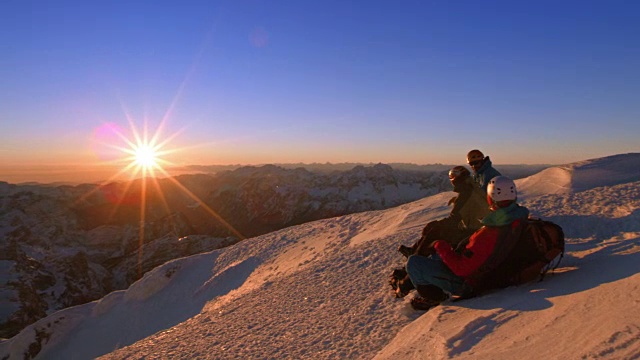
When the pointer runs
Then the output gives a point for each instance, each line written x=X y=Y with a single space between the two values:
x=322 y=81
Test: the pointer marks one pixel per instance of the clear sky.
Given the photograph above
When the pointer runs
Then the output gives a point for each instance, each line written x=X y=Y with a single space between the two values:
x=256 y=82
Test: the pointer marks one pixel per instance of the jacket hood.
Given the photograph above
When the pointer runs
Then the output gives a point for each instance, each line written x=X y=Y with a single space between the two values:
x=505 y=216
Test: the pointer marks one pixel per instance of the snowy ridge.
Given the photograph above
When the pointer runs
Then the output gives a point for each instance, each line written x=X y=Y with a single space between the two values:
x=319 y=291
x=584 y=175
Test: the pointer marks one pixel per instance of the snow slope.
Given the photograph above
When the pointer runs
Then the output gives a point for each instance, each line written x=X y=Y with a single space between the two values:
x=584 y=175
x=319 y=291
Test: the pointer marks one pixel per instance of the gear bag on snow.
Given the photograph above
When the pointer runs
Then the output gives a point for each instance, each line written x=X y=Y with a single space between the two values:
x=523 y=253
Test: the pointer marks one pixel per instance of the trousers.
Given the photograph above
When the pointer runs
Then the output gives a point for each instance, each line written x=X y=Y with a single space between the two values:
x=431 y=270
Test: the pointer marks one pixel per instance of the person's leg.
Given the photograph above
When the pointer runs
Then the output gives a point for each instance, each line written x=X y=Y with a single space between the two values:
x=433 y=231
x=410 y=250
x=421 y=247
x=432 y=271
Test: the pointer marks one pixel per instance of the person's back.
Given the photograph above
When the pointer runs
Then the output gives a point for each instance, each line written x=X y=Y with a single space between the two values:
x=470 y=205
x=474 y=207
x=483 y=170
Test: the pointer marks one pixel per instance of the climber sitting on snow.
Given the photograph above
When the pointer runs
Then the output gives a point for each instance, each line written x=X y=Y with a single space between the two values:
x=469 y=208
x=483 y=170
x=447 y=271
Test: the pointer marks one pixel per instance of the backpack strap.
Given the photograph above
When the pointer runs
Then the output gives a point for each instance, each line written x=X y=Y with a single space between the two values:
x=549 y=243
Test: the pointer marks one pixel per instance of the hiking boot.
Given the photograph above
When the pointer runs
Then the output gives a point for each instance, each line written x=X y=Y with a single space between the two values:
x=393 y=282
x=406 y=251
x=397 y=275
x=403 y=287
x=431 y=294
x=420 y=303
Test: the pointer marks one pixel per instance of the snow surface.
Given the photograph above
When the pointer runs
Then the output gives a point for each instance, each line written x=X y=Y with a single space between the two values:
x=319 y=290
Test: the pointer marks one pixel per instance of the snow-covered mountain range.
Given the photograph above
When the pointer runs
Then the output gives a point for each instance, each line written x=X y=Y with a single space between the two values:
x=68 y=245
x=319 y=290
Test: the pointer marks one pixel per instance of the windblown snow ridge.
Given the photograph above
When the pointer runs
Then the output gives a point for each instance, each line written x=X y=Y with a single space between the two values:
x=581 y=176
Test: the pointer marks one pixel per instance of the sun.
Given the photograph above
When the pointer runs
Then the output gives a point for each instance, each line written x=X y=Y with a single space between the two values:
x=146 y=156
x=140 y=152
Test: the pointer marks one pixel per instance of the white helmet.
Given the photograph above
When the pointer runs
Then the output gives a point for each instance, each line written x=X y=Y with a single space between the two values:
x=501 y=188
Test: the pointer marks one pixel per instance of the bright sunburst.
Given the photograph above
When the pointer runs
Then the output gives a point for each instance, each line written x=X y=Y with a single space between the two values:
x=144 y=153
x=146 y=156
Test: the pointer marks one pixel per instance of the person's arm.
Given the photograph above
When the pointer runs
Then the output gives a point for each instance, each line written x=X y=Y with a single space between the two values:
x=464 y=194
x=472 y=257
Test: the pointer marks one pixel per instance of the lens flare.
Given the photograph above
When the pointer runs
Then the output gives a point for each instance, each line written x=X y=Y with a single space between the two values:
x=140 y=155
x=137 y=153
